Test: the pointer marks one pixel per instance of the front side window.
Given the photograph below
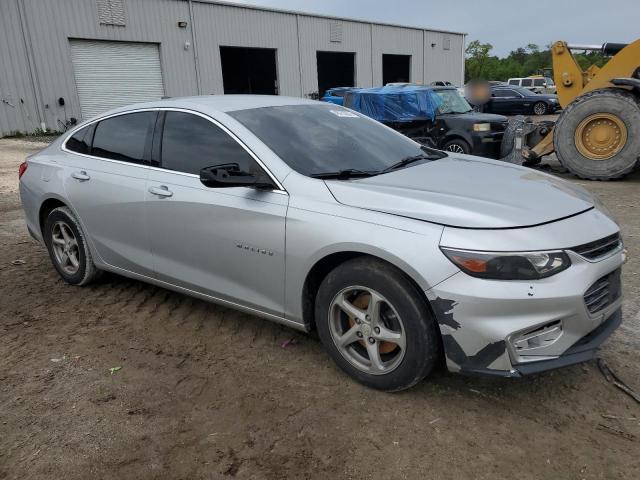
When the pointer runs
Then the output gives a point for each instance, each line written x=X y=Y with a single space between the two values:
x=538 y=82
x=123 y=137
x=80 y=142
x=190 y=143
x=316 y=139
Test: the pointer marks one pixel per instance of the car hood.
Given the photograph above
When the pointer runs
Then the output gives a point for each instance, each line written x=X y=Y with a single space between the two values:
x=468 y=192
x=475 y=117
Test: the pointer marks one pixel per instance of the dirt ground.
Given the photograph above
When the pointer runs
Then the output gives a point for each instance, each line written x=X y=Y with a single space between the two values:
x=207 y=392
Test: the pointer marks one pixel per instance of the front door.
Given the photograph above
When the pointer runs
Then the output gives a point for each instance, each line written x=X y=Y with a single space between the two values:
x=224 y=242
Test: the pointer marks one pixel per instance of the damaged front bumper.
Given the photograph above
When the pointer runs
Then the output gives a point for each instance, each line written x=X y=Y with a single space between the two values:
x=516 y=328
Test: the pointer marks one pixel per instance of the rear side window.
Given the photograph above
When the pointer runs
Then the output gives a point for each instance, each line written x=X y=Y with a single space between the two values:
x=527 y=82
x=190 y=143
x=504 y=93
x=514 y=82
x=80 y=142
x=123 y=137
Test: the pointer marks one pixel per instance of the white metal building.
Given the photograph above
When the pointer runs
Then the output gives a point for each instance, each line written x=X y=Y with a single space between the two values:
x=72 y=59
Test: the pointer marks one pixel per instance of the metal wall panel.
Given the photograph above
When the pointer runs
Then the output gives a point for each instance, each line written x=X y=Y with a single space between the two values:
x=52 y=23
x=221 y=25
x=441 y=64
x=315 y=35
x=397 y=41
x=18 y=109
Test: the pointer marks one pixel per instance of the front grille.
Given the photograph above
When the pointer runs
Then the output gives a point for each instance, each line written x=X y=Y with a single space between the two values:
x=603 y=292
x=597 y=249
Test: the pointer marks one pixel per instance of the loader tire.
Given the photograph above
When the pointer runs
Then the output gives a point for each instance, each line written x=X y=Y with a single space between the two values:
x=597 y=137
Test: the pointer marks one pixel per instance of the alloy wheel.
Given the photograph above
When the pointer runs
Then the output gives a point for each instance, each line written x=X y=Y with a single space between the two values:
x=65 y=247
x=367 y=330
x=455 y=148
x=539 y=109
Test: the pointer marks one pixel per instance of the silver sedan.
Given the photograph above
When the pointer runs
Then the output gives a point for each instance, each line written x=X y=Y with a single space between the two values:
x=314 y=216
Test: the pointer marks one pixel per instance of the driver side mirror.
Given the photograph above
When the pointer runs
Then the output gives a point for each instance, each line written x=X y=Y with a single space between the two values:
x=231 y=175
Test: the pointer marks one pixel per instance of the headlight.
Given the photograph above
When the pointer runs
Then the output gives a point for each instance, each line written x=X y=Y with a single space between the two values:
x=508 y=265
x=481 y=127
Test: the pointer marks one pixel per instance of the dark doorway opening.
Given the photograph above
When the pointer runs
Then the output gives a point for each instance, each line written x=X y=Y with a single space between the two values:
x=335 y=69
x=249 y=70
x=396 y=68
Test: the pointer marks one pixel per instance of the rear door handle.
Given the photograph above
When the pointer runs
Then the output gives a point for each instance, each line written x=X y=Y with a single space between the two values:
x=161 y=191
x=81 y=175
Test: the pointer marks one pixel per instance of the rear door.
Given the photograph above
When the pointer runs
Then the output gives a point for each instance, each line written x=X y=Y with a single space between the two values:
x=224 y=242
x=105 y=180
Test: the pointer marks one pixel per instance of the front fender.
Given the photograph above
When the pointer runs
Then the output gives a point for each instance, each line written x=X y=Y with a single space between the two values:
x=410 y=245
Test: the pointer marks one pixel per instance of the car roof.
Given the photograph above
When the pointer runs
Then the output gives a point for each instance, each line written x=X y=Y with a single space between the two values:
x=218 y=103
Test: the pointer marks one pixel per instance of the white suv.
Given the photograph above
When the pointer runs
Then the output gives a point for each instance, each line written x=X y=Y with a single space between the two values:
x=536 y=84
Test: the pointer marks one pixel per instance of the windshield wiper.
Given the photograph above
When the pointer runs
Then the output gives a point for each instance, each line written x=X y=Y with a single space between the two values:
x=412 y=159
x=344 y=174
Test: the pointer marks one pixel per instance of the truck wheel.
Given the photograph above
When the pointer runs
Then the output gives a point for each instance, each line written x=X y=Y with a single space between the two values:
x=375 y=325
x=597 y=136
x=457 y=146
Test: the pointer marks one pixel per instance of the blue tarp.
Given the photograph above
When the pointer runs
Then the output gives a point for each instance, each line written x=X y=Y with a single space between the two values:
x=393 y=103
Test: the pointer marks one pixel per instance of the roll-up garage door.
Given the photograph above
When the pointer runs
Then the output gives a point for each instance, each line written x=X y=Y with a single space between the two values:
x=113 y=74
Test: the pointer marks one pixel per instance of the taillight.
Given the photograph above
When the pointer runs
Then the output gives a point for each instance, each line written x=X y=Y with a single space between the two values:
x=21 y=169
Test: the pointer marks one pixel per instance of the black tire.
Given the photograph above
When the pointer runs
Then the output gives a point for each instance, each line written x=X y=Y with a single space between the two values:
x=457 y=145
x=614 y=101
x=422 y=335
x=86 y=271
x=540 y=108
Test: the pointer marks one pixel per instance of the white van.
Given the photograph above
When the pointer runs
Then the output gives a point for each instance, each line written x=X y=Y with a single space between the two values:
x=536 y=84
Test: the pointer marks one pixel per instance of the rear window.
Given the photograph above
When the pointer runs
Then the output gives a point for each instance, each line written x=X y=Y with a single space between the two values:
x=80 y=142
x=123 y=137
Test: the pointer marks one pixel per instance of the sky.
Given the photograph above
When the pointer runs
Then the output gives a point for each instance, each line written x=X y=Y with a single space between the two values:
x=505 y=24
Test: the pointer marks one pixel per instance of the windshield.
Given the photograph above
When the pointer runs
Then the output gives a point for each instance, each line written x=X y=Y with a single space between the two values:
x=452 y=102
x=316 y=139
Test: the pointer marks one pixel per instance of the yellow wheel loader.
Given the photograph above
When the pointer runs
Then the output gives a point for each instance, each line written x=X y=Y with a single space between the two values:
x=597 y=135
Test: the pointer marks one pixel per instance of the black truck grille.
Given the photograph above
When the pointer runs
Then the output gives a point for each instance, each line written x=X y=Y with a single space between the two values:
x=603 y=292
x=593 y=250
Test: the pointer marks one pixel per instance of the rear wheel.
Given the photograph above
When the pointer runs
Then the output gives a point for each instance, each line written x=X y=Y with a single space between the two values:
x=597 y=136
x=68 y=247
x=375 y=325
x=457 y=145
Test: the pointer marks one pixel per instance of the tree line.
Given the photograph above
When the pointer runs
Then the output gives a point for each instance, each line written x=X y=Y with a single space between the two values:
x=522 y=62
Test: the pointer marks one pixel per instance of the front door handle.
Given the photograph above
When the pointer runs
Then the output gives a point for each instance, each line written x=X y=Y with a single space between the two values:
x=161 y=191
x=81 y=175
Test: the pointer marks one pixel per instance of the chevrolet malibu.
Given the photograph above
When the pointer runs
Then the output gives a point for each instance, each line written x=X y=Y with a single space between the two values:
x=319 y=218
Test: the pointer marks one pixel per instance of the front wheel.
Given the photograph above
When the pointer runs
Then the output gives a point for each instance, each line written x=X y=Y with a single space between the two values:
x=457 y=146
x=375 y=325
x=540 y=108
